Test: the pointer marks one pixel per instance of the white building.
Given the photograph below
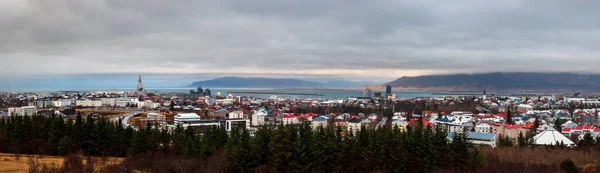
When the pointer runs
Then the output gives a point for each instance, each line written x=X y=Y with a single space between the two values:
x=89 y=103
x=148 y=104
x=239 y=123
x=109 y=101
x=258 y=118
x=354 y=126
x=124 y=101
x=21 y=111
x=290 y=119
x=524 y=107
x=319 y=121
x=43 y=103
x=194 y=120
x=186 y=118
x=61 y=103
x=235 y=115
x=483 y=128
x=452 y=127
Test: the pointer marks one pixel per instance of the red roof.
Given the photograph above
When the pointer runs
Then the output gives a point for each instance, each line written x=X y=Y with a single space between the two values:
x=597 y=130
x=578 y=128
x=289 y=116
x=588 y=127
x=513 y=126
x=566 y=130
x=502 y=114
x=414 y=120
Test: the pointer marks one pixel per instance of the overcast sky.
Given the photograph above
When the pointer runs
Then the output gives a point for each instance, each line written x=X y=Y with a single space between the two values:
x=345 y=38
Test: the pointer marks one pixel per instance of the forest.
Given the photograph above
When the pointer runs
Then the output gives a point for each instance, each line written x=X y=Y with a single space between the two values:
x=282 y=148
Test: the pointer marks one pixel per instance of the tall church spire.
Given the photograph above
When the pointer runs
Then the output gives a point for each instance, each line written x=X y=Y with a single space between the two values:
x=140 y=90
x=139 y=84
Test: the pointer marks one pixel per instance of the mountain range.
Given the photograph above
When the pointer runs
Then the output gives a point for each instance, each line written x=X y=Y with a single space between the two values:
x=502 y=82
x=246 y=82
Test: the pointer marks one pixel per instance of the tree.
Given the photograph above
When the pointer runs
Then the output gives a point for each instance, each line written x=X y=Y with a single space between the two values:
x=522 y=142
x=505 y=141
x=172 y=106
x=588 y=140
x=569 y=166
x=508 y=116
x=65 y=145
x=557 y=125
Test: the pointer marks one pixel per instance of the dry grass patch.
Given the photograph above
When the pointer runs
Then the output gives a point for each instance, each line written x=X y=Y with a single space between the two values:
x=28 y=163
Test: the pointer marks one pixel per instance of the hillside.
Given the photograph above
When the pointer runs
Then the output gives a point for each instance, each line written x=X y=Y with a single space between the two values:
x=242 y=82
x=503 y=82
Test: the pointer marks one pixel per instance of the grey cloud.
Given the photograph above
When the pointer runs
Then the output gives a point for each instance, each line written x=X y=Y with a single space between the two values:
x=76 y=37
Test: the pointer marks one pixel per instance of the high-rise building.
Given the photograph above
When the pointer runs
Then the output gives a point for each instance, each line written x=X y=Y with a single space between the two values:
x=367 y=92
x=207 y=92
x=140 y=90
x=199 y=90
x=388 y=90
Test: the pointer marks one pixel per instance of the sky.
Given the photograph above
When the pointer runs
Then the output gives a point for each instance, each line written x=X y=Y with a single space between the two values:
x=348 y=39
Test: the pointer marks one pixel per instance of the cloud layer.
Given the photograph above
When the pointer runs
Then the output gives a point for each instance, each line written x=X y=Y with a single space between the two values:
x=346 y=38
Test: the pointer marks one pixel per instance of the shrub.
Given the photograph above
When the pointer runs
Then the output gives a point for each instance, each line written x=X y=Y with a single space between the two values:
x=569 y=166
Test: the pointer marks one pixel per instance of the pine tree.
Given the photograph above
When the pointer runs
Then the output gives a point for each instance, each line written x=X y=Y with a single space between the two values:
x=557 y=125
x=509 y=119
x=588 y=140
x=64 y=146
x=521 y=140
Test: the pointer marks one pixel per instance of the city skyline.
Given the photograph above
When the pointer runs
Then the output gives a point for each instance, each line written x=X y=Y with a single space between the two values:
x=361 y=39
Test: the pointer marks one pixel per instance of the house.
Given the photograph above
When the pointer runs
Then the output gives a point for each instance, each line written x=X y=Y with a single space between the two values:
x=399 y=124
x=479 y=138
x=566 y=131
x=320 y=121
x=511 y=131
x=290 y=119
x=483 y=128
x=235 y=115
x=354 y=125
x=452 y=127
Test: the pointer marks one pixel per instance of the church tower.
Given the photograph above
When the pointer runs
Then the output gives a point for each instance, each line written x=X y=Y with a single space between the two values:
x=140 y=90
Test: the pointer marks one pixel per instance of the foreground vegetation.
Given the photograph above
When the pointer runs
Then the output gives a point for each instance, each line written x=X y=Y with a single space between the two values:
x=278 y=149
x=271 y=149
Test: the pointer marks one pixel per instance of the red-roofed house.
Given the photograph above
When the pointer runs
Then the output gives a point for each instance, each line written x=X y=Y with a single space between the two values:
x=566 y=131
x=502 y=114
x=413 y=122
x=588 y=128
x=577 y=130
x=511 y=131
x=289 y=118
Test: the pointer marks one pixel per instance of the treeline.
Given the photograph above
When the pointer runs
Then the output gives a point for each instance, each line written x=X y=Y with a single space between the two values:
x=302 y=149
x=272 y=149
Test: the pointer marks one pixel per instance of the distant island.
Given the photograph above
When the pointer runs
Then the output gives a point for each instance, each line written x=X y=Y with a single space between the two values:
x=516 y=81
x=244 y=82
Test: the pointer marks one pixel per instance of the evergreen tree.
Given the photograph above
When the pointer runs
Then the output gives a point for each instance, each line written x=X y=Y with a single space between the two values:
x=521 y=140
x=557 y=125
x=509 y=119
x=64 y=146
x=588 y=140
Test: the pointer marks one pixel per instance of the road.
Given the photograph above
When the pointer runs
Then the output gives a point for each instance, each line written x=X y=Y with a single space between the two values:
x=125 y=121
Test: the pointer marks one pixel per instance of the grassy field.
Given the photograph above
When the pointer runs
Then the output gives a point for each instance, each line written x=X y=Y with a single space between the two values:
x=21 y=163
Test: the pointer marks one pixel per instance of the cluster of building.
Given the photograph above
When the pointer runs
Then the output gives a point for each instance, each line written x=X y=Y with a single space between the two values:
x=199 y=109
